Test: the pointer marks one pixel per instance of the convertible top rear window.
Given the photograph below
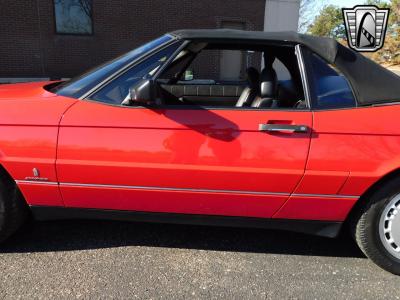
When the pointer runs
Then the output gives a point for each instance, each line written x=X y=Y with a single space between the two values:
x=78 y=86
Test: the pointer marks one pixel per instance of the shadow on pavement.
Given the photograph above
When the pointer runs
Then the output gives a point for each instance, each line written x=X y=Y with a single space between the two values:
x=82 y=235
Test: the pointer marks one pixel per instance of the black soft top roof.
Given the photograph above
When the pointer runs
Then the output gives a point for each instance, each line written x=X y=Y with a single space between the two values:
x=372 y=84
x=325 y=47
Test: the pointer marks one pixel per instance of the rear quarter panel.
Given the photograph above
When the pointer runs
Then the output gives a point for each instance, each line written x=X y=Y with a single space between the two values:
x=365 y=142
x=350 y=150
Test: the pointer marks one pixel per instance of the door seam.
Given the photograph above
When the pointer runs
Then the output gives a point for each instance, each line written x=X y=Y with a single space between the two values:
x=304 y=169
x=56 y=156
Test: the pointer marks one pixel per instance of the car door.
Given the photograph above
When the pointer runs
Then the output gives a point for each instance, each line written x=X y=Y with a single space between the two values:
x=178 y=159
x=191 y=161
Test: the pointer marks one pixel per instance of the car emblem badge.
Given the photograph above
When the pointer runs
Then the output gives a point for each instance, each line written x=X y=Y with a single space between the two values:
x=36 y=176
x=366 y=27
x=36 y=172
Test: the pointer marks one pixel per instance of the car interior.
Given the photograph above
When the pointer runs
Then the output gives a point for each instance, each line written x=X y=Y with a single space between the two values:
x=265 y=77
x=228 y=75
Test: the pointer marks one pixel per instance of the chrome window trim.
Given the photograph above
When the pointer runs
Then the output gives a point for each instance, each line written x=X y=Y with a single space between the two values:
x=303 y=74
x=131 y=187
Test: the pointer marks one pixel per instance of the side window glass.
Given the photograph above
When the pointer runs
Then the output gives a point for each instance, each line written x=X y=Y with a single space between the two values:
x=212 y=66
x=117 y=90
x=281 y=71
x=217 y=77
x=176 y=71
x=328 y=87
x=224 y=66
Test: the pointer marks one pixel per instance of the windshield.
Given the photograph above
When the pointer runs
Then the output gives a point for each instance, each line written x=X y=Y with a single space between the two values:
x=78 y=86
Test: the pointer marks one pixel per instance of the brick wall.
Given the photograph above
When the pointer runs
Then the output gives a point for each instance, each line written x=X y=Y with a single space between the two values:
x=29 y=46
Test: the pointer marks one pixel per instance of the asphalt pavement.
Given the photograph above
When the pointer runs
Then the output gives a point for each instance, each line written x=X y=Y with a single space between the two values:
x=101 y=259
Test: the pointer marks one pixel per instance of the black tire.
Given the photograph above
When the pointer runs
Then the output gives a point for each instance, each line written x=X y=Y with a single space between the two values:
x=365 y=226
x=13 y=209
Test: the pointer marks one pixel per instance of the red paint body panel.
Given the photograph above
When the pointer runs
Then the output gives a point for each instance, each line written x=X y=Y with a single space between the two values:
x=364 y=142
x=195 y=161
x=195 y=149
x=26 y=147
x=316 y=208
x=22 y=91
x=38 y=194
x=350 y=150
x=321 y=182
x=186 y=202
x=29 y=132
x=34 y=107
x=28 y=136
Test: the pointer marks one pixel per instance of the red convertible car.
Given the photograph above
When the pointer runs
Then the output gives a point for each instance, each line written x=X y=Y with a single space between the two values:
x=221 y=127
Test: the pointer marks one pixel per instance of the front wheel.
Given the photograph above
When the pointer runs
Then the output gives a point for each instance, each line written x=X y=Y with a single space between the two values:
x=13 y=209
x=376 y=228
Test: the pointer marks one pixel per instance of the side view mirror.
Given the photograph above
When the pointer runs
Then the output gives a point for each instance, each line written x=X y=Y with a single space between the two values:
x=140 y=94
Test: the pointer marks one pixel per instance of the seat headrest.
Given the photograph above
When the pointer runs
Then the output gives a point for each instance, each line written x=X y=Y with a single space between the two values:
x=269 y=83
x=253 y=77
x=269 y=61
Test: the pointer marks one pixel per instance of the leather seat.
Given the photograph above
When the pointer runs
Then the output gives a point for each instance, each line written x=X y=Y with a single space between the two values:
x=252 y=90
x=268 y=87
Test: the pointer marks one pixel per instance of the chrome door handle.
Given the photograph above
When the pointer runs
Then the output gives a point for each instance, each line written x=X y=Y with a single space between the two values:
x=283 y=128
